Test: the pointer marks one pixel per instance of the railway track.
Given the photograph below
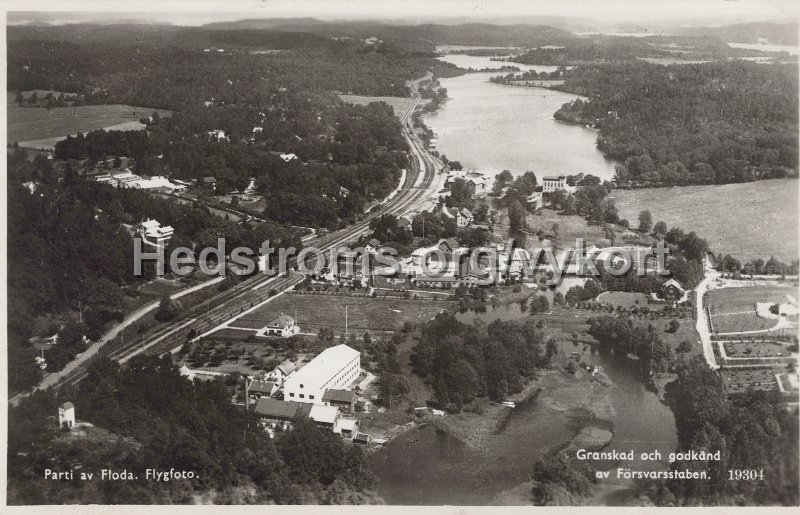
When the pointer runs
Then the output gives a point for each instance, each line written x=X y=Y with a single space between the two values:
x=225 y=305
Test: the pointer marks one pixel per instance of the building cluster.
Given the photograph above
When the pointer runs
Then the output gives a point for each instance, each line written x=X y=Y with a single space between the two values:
x=153 y=233
x=475 y=182
x=128 y=179
x=320 y=390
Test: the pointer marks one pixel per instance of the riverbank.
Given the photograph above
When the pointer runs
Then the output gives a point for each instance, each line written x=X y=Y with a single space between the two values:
x=583 y=399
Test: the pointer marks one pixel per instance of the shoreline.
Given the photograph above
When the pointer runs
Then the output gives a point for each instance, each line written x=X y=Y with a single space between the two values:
x=584 y=400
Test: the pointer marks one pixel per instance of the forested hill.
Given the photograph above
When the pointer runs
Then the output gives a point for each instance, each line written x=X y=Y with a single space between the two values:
x=159 y=66
x=147 y=415
x=706 y=123
x=429 y=35
x=774 y=33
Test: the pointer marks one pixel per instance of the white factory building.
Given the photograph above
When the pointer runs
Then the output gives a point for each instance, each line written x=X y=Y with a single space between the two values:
x=334 y=368
x=551 y=184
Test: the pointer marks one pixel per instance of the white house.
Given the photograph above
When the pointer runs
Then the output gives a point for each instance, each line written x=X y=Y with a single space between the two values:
x=288 y=157
x=282 y=326
x=281 y=372
x=66 y=415
x=153 y=232
x=464 y=217
x=552 y=183
x=335 y=367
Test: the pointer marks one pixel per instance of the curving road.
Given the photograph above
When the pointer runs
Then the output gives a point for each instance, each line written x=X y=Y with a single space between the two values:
x=418 y=187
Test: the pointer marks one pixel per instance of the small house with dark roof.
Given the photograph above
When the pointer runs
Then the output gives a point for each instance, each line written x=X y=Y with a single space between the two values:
x=344 y=399
x=672 y=291
x=258 y=389
x=282 y=326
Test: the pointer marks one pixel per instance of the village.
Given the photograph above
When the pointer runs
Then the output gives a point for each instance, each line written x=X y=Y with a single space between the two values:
x=745 y=328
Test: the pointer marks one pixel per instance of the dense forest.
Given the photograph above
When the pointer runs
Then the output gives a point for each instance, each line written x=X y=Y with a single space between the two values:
x=752 y=431
x=462 y=363
x=148 y=416
x=596 y=49
x=268 y=102
x=68 y=252
x=690 y=124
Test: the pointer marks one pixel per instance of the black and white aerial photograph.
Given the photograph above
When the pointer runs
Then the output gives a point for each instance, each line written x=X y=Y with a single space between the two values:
x=453 y=255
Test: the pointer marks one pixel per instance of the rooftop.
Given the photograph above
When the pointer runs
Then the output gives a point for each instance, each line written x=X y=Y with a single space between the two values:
x=339 y=395
x=328 y=362
x=324 y=414
x=282 y=321
x=275 y=408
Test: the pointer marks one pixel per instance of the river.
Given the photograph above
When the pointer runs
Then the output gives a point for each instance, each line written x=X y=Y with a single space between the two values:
x=492 y=127
x=424 y=466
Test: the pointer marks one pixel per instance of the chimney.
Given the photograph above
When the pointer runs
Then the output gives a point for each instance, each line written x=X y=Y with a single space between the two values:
x=246 y=393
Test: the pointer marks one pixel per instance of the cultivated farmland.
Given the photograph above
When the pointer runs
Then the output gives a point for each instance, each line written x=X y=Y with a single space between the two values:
x=734 y=309
x=35 y=127
x=748 y=221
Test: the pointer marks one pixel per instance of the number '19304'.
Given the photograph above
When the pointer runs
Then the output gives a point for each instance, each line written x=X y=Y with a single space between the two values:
x=745 y=475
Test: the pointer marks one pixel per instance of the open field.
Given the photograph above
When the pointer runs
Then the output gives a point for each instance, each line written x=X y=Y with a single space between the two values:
x=317 y=311
x=399 y=104
x=35 y=127
x=734 y=300
x=734 y=309
x=570 y=227
x=627 y=299
x=747 y=221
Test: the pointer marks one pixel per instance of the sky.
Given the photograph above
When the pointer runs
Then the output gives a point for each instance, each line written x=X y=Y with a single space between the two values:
x=197 y=12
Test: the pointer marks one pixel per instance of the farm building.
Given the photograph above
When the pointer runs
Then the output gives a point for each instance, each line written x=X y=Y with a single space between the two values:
x=672 y=291
x=335 y=367
x=66 y=415
x=282 y=326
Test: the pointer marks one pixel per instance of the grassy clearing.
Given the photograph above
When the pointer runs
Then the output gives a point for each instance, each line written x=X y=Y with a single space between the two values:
x=748 y=221
x=399 y=104
x=734 y=300
x=39 y=128
x=734 y=309
x=570 y=227
x=317 y=311
x=627 y=299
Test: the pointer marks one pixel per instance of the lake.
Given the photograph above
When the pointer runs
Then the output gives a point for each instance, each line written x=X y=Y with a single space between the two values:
x=425 y=466
x=793 y=50
x=493 y=127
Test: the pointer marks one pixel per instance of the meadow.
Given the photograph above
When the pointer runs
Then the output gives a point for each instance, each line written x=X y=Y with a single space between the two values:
x=734 y=309
x=399 y=104
x=314 y=312
x=34 y=127
x=748 y=221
